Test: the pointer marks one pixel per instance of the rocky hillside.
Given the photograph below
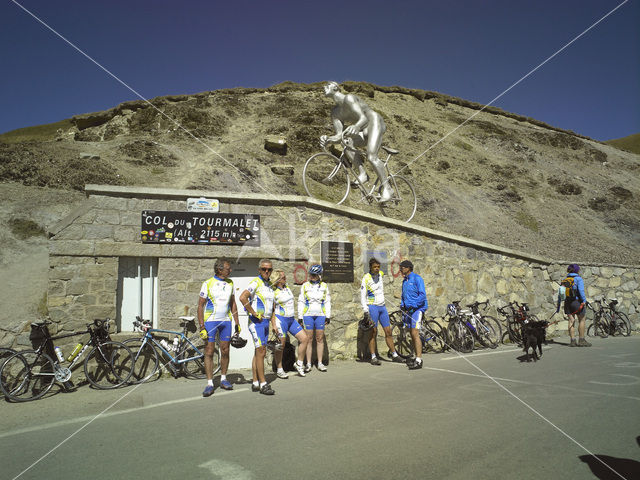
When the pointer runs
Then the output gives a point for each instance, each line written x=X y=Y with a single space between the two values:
x=500 y=178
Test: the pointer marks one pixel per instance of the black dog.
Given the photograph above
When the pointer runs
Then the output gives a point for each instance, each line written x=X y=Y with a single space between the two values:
x=533 y=336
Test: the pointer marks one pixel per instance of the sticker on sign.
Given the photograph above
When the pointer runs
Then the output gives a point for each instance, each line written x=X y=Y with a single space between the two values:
x=202 y=205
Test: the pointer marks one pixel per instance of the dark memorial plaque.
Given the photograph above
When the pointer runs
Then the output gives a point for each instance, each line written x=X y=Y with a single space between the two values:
x=337 y=262
x=202 y=228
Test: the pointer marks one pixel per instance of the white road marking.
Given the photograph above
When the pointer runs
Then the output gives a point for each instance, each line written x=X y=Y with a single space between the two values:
x=71 y=421
x=227 y=470
x=474 y=375
x=605 y=394
x=493 y=352
x=635 y=380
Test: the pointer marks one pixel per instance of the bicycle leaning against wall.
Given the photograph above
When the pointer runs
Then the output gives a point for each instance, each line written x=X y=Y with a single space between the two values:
x=30 y=374
x=183 y=355
x=607 y=320
x=433 y=338
x=328 y=177
x=459 y=335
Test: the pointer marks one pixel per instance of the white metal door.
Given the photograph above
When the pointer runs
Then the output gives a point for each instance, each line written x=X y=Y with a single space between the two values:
x=137 y=291
x=243 y=272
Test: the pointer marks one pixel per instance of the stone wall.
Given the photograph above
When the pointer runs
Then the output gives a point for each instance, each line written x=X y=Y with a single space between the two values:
x=85 y=251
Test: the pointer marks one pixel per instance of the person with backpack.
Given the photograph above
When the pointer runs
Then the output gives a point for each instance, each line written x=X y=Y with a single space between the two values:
x=572 y=292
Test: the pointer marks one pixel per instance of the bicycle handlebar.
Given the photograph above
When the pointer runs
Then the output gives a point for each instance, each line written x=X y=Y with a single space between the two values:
x=476 y=304
x=347 y=142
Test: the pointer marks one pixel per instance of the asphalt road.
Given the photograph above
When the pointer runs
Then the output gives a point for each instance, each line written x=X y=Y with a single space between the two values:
x=540 y=420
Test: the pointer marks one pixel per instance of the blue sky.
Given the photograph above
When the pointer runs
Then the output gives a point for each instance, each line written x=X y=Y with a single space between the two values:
x=469 y=49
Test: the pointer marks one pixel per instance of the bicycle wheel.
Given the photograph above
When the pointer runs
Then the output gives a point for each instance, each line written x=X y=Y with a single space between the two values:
x=608 y=325
x=194 y=368
x=109 y=365
x=325 y=178
x=597 y=329
x=497 y=326
x=403 y=204
x=401 y=336
x=432 y=337
x=515 y=332
x=145 y=361
x=26 y=376
x=623 y=324
x=460 y=336
x=487 y=334
x=5 y=353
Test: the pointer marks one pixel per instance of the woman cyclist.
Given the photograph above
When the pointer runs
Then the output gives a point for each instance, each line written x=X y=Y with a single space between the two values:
x=286 y=322
x=314 y=309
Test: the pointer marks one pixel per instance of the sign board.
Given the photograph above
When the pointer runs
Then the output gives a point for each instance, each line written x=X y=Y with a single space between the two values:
x=337 y=262
x=200 y=228
x=203 y=205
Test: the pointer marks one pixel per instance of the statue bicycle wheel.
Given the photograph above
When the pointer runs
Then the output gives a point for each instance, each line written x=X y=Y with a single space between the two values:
x=403 y=204
x=325 y=178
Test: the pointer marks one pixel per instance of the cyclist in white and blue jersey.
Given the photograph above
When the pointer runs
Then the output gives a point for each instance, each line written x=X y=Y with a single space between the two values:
x=286 y=322
x=257 y=300
x=216 y=308
x=314 y=309
x=372 y=302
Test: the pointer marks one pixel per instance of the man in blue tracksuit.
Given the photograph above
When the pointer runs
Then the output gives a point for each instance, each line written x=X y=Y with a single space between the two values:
x=413 y=304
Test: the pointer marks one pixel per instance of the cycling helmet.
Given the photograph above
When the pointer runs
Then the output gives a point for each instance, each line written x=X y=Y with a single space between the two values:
x=237 y=341
x=315 y=270
x=451 y=309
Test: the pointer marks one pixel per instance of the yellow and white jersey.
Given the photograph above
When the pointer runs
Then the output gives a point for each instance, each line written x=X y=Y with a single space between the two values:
x=218 y=293
x=314 y=300
x=371 y=291
x=284 y=301
x=261 y=295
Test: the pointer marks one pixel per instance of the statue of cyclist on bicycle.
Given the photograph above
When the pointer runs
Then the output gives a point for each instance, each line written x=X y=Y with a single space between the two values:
x=366 y=128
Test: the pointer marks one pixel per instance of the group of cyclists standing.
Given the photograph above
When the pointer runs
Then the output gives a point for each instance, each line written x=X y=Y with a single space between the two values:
x=269 y=303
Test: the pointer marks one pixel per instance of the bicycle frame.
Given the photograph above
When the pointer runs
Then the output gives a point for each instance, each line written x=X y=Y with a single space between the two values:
x=369 y=195
x=48 y=347
x=329 y=177
x=183 y=344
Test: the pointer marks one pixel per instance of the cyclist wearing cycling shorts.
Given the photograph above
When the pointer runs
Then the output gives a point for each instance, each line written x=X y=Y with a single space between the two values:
x=257 y=300
x=314 y=309
x=372 y=301
x=286 y=322
x=413 y=304
x=216 y=308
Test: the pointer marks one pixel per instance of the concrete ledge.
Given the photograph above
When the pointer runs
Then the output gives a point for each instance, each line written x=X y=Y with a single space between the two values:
x=307 y=202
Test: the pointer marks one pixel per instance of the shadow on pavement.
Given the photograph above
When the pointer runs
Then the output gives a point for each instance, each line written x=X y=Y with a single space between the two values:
x=625 y=467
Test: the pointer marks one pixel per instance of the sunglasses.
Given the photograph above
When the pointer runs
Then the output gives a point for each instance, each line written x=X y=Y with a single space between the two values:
x=266 y=269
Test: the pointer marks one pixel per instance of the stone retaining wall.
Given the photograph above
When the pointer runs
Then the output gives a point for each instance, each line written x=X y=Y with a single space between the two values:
x=85 y=251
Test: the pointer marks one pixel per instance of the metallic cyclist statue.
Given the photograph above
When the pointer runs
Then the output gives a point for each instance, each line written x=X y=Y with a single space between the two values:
x=366 y=128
